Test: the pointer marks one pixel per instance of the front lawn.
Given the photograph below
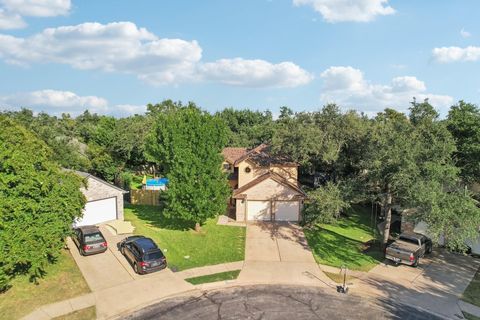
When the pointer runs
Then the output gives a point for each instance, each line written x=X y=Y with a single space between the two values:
x=186 y=248
x=347 y=242
x=472 y=293
x=228 y=275
x=63 y=280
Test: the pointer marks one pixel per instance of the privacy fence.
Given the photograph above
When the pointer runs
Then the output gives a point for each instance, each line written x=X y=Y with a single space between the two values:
x=145 y=197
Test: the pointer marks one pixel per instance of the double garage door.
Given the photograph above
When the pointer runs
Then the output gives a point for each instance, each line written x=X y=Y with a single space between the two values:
x=281 y=211
x=99 y=211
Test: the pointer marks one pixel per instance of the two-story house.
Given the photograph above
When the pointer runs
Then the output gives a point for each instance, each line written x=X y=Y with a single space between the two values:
x=265 y=186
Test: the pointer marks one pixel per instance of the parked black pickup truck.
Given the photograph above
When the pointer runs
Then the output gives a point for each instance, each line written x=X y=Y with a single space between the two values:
x=409 y=248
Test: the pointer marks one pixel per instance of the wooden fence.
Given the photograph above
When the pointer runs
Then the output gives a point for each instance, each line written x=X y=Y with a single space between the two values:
x=145 y=197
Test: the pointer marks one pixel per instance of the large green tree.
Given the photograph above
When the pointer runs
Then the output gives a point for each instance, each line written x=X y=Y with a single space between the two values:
x=410 y=163
x=247 y=128
x=38 y=203
x=464 y=124
x=188 y=143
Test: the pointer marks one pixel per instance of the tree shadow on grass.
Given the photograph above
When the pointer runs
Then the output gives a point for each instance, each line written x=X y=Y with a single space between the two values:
x=334 y=249
x=154 y=215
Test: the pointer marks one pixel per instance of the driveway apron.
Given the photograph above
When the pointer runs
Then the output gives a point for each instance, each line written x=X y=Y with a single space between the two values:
x=278 y=253
x=436 y=285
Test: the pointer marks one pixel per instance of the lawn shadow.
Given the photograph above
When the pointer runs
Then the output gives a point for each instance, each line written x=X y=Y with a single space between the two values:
x=335 y=249
x=154 y=215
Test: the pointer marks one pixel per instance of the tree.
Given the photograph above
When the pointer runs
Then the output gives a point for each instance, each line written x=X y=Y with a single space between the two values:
x=247 y=128
x=464 y=124
x=410 y=163
x=188 y=143
x=318 y=140
x=38 y=203
x=390 y=162
x=325 y=204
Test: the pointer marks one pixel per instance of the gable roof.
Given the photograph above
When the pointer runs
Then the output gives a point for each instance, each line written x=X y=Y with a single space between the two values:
x=232 y=154
x=262 y=155
x=87 y=175
x=269 y=175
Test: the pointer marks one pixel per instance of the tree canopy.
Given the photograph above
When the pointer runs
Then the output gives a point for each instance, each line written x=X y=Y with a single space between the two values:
x=188 y=143
x=38 y=203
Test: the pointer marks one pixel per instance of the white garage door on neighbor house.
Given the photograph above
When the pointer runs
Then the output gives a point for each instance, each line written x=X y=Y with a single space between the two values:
x=99 y=211
x=104 y=201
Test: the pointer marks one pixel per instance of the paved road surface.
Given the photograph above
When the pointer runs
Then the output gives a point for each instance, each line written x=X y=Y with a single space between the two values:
x=277 y=302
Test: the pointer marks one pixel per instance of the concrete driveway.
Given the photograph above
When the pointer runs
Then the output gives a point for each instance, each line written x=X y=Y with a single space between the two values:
x=435 y=285
x=116 y=287
x=279 y=253
x=276 y=242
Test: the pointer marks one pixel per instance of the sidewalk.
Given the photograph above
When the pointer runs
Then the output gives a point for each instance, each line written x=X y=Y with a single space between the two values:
x=57 y=309
x=207 y=270
x=469 y=308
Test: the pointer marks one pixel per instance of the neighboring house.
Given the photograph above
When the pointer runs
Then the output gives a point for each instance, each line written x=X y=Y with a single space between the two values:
x=422 y=227
x=104 y=201
x=265 y=186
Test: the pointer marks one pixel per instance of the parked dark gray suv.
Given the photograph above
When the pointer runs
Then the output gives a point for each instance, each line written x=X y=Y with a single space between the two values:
x=89 y=240
x=143 y=254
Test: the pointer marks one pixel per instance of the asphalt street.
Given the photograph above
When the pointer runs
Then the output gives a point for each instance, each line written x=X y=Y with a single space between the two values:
x=277 y=302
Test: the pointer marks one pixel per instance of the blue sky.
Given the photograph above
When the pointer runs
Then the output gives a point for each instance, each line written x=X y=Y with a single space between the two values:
x=113 y=57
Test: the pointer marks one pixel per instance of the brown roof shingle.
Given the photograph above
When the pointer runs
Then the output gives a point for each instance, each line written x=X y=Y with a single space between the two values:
x=232 y=154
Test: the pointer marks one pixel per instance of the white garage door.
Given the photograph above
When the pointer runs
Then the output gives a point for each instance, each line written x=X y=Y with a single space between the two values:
x=258 y=210
x=99 y=211
x=286 y=210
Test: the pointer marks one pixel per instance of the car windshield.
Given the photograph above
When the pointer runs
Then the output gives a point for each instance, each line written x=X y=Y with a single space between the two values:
x=409 y=240
x=94 y=238
x=154 y=255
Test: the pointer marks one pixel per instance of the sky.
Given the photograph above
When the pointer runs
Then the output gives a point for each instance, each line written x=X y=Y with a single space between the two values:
x=114 y=57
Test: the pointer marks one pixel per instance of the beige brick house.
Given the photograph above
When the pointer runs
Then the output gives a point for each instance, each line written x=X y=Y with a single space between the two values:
x=265 y=186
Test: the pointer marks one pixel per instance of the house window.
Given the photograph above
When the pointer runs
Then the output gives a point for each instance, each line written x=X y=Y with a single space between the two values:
x=226 y=166
x=247 y=169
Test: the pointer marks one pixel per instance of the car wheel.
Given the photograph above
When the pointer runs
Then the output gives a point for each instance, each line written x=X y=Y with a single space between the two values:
x=430 y=249
x=82 y=253
x=122 y=250
x=135 y=268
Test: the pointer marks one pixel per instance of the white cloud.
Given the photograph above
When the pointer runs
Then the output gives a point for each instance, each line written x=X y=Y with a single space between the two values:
x=118 y=46
x=348 y=87
x=255 y=73
x=123 y=47
x=128 y=109
x=56 y=102
x=465 y=34
x=454 y=54
x=37 y=8
x=348 y=10
x=11 y=20
x=12 y=11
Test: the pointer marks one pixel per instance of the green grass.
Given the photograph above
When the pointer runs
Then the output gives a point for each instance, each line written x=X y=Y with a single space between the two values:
x=346 y=242
x=469 y=316
x=228 y=275
x=137 y=181
x=213 y=245
x=63 y=280
x=472 y=293
x=83 y=314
